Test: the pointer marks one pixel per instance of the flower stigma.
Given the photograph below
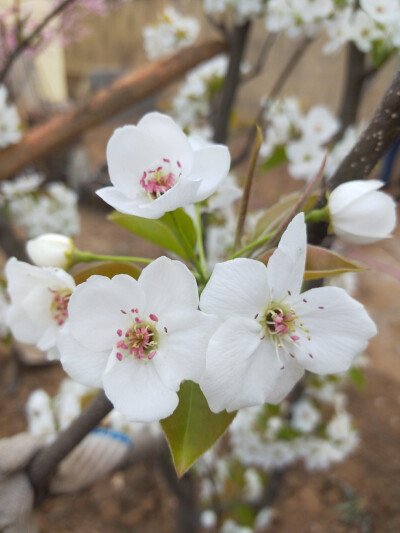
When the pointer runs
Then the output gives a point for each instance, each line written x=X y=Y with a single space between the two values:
x=160 y=179
x=59 y=305
x=281 y=324
x=140 y=340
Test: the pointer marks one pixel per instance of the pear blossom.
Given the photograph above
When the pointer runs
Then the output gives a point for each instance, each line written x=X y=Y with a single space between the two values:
x=383 y=11
x=39 y=303
x=361 y=214
x=305 y=157
x=138 y=339
x=270 y=333
x=154 y=169
x=319 y=124
x=50 y=249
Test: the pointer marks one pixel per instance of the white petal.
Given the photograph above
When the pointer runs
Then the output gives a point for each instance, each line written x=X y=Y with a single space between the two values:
x=286 y=266
x=372 y=217
x=236 y=287
x=122 y=203
x=130 y=152
x=285 y=379
x=136 y=390
x=339 y=328
x=182 y=350
x=169 y=286
x=232 y=379
x=21 y=326
x=211 y=166
x=169 y=139
x=95 y=309
x=48 y=338
x=84 y=365
x=346 y=193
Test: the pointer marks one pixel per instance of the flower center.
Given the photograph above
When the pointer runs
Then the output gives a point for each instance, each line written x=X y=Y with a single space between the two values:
x=160 y=179
x=281 y=324
x=59 y=305
x=140 y=340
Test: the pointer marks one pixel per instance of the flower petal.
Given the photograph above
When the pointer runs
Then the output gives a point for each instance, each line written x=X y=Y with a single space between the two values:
x=136 y=390
x=232 y=379
x=84 y=365
x=21 y=326
x=349 y=192
x=210 y=167
x=237 y=287
x=169 y=139
x=339 y=329
x=130 y=152
x=169 y=286
x=286 y=265
x=122 y=203
x=100 y=306
x=182 y=349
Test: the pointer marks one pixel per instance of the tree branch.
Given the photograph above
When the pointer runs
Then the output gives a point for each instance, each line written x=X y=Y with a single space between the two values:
x=26 y=42
x=45 y=463
x=125 y=92
x=226 y=97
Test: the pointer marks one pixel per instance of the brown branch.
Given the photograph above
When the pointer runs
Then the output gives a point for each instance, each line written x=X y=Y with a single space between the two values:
x=104 y=104
x=226 y=97
x=26 y=42
x=262 y=57
x=9 y=241
x=45 y=463
x=382 y=131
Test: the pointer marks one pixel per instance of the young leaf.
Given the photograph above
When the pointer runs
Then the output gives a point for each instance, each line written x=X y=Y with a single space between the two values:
x=193 y=428
x=110 y=269
x=166 y=231
x=278 y=157
x=321 y=263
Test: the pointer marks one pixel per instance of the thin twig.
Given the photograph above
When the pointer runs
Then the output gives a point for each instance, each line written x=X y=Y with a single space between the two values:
x=276 y=89
x=296 y=208
x=26 y=42
x=262 y=57
x=247 y=189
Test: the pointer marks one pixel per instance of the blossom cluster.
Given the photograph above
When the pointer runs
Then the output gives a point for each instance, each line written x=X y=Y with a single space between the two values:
x=191 y=106
x=171 y=32
x=40 y=209
x=300 y=136
x=242 y=10
x=10 y=127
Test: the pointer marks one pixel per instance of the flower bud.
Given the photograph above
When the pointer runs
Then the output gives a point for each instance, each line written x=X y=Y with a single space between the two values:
x=50 y=249
x=360 y=214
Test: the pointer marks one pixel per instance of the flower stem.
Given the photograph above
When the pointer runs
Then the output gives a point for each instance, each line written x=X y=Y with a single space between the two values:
x=200 y=244
x=77 y=256
x=318 y=215
x=251 y=246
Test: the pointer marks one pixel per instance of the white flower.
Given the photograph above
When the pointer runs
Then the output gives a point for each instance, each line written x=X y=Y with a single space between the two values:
x=305 y=416
x=208 y=519
x=9 y=121
x=383 y=11
x=39 y=300
x=40 y=414
x=50 y=249
x=138 y=339
x=359 y=213
x=319 y=124
x=270 y=332
x=305 y=157
x=154 y=169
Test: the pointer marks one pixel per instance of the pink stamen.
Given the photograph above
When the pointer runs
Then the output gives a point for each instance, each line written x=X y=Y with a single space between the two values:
x=119 y=332
x=295 y=338
x=153 y=317
x=118 y=355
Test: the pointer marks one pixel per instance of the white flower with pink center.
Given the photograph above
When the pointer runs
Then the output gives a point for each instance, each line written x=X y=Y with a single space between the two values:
x=154 y=168
x=138 y=339
x=270 y=332
x=39 y=303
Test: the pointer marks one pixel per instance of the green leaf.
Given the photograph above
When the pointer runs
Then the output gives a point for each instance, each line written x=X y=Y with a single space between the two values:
x=110 y=269
x=192 y=428
x=357 y=377
x=380 y=52
x=169 y=231
x=321 y=263
x=277 y=158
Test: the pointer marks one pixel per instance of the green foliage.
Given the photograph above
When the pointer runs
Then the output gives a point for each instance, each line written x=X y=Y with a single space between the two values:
x=110 y=269
x=380 y=53
x=357 y=377
x=192 y=428
x=174 y=231
x=277 y=158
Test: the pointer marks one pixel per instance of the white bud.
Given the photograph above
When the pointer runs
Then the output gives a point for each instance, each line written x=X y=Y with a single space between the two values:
x=360 y=214
x=50 y=249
